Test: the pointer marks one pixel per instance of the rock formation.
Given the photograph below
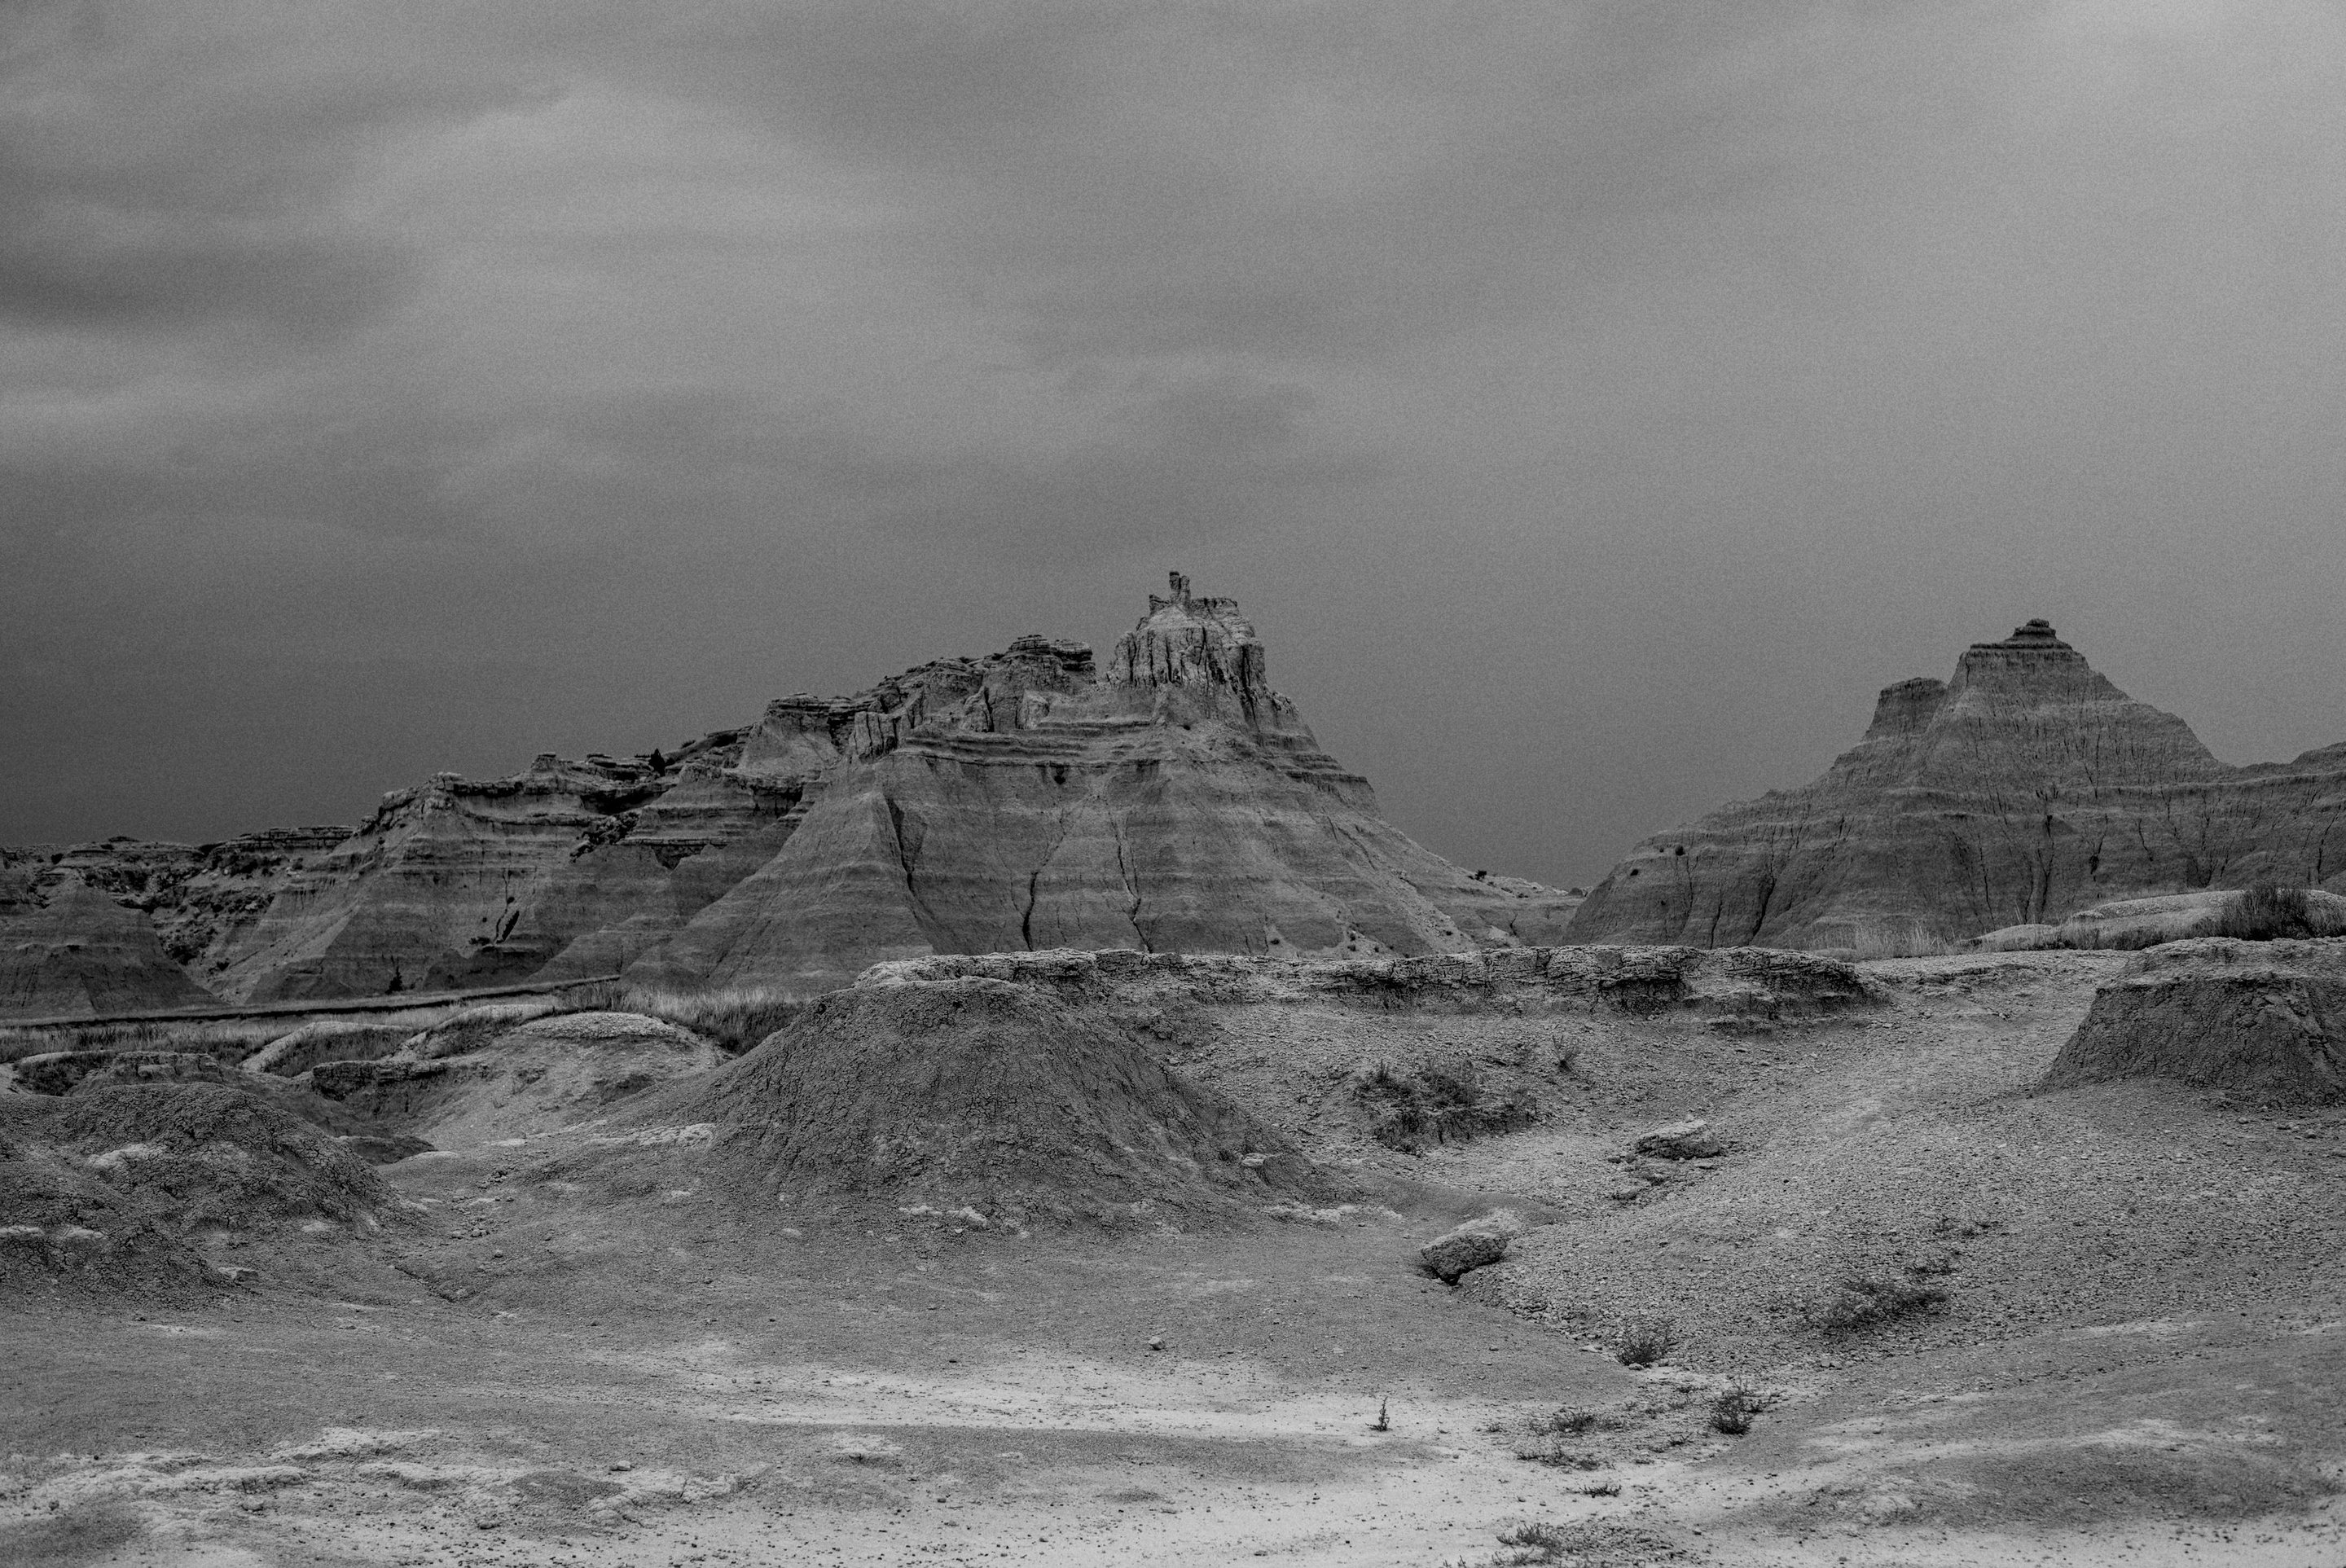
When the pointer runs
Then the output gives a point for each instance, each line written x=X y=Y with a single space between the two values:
x=2265 y=1020
x=67 y=950
x=1174 y=802
x=1171 y=801
x=2026 y=787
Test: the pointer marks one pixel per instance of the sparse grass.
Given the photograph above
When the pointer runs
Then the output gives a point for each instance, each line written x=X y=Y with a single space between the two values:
x=2265 y=911
x=1897 y=939
x=1437 y=1104
x=1862 y=1301
x=230 y=1040
x=1647 y=1342
x=736 y=1018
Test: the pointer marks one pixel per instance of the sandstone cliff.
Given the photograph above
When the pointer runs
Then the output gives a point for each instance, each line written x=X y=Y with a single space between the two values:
x=1171 y=801
x=2025 y=788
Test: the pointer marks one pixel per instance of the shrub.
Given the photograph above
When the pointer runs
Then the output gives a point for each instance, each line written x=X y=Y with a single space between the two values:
x=1568 y=1420
x=1869 y=1300
x=1733 y=1411
x=1590 y=1544
x=1647 y=1342
x=1439 y=1104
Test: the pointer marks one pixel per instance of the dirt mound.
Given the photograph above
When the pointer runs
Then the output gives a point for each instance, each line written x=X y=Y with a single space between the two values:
x=120 y=1180
x=476 y=1079
x=979 y=1095
x=2265 y=1020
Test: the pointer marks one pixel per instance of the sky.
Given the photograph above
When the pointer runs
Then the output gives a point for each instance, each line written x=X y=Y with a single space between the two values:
x=1592 y=404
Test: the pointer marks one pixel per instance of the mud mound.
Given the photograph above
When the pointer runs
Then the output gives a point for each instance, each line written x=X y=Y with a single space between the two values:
x=469 y=1081
x=2264 y=1020
x=118 y=1181
x=982 y=1095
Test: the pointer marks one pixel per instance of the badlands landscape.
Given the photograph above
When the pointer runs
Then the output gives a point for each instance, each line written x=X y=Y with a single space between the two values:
x=1036 y=1110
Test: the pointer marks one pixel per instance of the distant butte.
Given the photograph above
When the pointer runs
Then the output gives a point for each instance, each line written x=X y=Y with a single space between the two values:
x=2026 y=787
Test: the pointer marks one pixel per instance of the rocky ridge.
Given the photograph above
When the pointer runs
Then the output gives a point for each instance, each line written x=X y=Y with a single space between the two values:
x=1170 y=800
x=2026 y=787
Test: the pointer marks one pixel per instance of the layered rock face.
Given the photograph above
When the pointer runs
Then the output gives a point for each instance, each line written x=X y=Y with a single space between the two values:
x=1172 y=802
x=2024 y=789
x=2263 y=1020
x=69 y=951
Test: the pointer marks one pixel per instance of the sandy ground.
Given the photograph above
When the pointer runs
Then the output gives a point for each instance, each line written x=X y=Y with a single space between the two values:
x=537 y=1374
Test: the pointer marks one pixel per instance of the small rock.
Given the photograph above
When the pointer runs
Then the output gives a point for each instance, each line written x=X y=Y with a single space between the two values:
x=1157 y=1343
x=1474 y=1245
x=1686 y=1140
x=623 y=1465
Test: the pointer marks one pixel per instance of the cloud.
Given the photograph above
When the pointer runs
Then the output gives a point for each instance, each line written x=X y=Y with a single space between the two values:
x=1198 y=461
x=1601 y=344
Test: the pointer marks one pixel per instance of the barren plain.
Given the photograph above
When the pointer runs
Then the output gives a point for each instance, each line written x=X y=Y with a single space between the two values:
x=575 y=1332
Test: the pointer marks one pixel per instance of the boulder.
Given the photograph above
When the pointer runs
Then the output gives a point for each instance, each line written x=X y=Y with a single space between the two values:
x=1688 y=1140
x=1478 y=1244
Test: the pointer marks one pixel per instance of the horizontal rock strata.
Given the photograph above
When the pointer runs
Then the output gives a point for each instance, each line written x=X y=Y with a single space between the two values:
x=2264 y=1020
x=1171 y=801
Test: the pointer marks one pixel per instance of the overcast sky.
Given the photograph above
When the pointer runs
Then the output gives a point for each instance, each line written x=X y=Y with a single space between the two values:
x=1593 y=404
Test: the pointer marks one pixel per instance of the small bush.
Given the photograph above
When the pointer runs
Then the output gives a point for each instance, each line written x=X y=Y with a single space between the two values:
x=1535 y=1543
x=1869 y=1301
x=1733 y=1412
x=1647 y=1342
x=1590 y=1544
x=1439 y=1104
x=1568 y=1420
